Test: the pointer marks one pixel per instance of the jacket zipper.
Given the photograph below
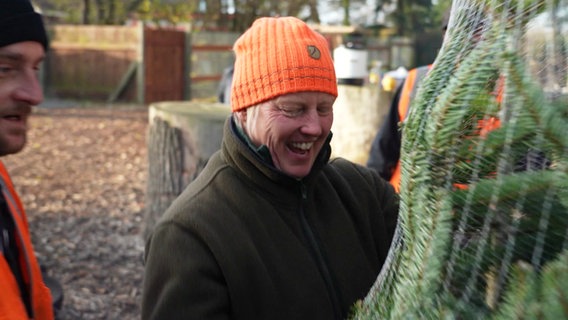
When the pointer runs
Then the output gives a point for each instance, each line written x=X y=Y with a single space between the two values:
x=317 y=254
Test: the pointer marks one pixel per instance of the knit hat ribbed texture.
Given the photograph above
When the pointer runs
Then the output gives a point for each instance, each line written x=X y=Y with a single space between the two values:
x=19 y=22
x=277 y=56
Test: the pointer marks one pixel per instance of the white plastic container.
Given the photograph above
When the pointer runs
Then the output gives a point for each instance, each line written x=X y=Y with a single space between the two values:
x=350 y=65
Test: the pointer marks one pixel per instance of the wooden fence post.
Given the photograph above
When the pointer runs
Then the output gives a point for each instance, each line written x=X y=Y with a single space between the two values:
x=140 y=85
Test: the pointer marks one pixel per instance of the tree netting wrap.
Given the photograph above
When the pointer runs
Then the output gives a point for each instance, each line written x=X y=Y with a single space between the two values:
x=483 y=228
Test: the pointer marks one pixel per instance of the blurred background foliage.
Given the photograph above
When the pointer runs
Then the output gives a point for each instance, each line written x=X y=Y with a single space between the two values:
x=405 y=17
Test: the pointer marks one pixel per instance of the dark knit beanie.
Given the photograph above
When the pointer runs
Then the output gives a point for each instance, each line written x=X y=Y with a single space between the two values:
x=19 y=22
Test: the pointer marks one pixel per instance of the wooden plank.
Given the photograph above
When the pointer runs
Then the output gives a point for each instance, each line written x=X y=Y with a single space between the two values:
x=211 y=48
x=124 y=81
x=206 y=78
x=92 y=46
x=164 y=58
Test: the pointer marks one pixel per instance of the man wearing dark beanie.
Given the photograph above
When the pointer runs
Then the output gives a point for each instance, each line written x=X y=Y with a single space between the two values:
x=23 y=43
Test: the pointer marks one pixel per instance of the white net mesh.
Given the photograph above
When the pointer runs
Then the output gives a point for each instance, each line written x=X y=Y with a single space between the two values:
x=484 y=189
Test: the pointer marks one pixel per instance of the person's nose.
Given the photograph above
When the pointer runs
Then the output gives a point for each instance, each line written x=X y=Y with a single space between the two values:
x=29 y=89
x=312 y=124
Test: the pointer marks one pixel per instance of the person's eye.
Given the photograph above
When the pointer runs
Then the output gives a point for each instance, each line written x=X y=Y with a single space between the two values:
x=37 y=65
x=5 y=70
x=290 y=111
x=325 y=110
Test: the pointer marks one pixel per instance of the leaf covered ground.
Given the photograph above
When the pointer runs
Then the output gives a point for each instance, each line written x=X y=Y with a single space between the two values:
x=82 y=178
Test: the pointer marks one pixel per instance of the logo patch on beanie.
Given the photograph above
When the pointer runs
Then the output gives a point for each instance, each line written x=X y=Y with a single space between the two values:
x=314 y=52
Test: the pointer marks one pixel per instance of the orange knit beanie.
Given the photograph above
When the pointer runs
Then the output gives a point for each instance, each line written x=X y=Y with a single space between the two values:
x=276 y=56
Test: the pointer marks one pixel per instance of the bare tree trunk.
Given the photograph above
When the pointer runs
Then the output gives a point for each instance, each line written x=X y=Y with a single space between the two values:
x=181 y=139
x=100 y=11
x=111 y=16
x=165 y=158
x=314 y=13
x=346 y=4
x=86 y=11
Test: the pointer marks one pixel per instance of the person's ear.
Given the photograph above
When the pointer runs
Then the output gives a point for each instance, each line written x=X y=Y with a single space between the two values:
x=242 y=115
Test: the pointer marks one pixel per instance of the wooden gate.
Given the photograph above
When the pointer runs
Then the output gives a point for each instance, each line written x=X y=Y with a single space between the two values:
x=164 y=65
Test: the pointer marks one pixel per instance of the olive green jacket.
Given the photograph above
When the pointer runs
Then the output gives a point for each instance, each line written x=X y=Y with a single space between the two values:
x=245 y=241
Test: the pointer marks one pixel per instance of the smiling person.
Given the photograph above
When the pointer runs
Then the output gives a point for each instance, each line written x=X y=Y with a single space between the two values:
x=271 y=228
x=23 y=42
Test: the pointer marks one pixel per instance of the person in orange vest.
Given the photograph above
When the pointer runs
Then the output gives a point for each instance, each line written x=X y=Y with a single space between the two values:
x=23 y=44
x=385 y=150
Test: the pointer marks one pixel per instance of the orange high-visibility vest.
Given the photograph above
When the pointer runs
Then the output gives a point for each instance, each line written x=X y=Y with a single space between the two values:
x=11 y=305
